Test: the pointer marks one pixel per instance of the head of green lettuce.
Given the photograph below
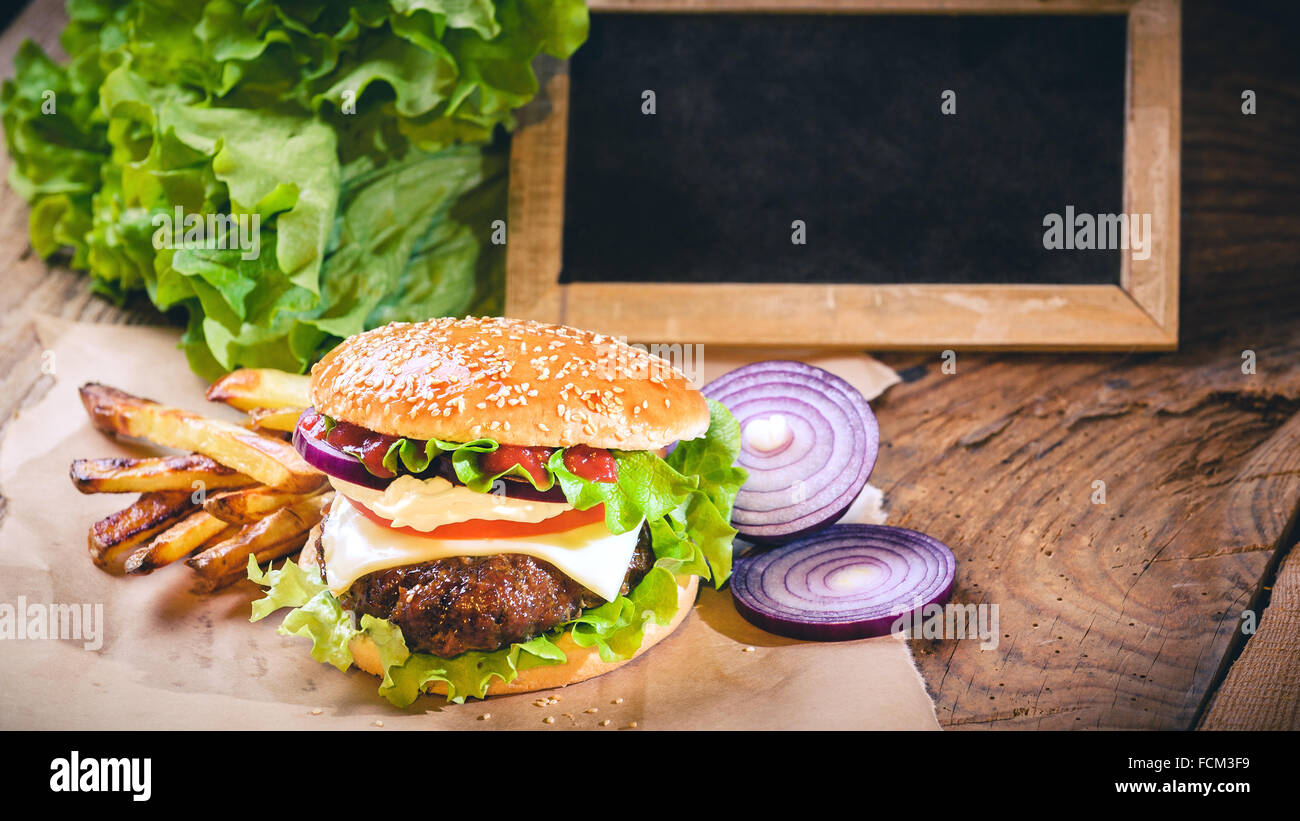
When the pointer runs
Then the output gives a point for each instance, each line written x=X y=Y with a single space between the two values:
x=360 y=141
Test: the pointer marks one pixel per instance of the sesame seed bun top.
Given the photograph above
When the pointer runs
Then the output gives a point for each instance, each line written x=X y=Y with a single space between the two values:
x=517 y=381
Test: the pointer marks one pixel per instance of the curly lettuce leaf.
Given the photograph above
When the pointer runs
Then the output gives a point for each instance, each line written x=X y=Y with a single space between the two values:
x=647 y=488
x=712 y=457
x=409 y=456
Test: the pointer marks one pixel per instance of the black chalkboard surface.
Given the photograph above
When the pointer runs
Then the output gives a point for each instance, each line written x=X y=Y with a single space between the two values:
x=836 y=120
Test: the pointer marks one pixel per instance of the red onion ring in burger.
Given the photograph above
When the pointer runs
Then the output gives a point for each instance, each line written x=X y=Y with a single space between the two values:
x=332 y=461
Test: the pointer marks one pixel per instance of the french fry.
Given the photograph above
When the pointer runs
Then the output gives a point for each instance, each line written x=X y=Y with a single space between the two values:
x=283 y=420
x=250 y=388
x=111 y=537
x=270 y=461
x=176 y=542
x=275 y=551
x=248 y=506
x=116 y=475
x=280 y=533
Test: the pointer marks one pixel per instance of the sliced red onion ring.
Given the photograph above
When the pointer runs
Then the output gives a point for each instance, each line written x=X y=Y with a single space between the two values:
x=809 y=441
x=845 y=582
x=333 y=462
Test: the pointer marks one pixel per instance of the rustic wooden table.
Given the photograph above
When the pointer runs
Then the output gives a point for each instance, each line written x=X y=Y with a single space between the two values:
x=1125 y=614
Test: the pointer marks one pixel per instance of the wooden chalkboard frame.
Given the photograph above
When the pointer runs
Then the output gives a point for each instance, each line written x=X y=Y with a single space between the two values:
x=1141 y=313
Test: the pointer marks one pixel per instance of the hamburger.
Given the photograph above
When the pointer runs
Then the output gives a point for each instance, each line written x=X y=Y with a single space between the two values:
x=517 y=506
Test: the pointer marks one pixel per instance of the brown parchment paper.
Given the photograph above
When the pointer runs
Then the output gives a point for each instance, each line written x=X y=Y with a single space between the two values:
x=171 y=659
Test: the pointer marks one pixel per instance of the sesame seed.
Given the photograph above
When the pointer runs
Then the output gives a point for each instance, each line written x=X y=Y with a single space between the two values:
x=592 y=710
x=604 y=723
x=317 y=711
x=617 y=701
x=485 y=717
x=549 y=720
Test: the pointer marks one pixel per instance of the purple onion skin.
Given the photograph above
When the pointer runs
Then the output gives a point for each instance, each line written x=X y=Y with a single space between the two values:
x=784 y=386
x=761 y=608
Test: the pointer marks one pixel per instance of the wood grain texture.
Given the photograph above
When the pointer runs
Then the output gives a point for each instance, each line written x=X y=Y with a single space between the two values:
x=537 y=155
x=1113 y=615
x=1151 y=156
x=879 y=317
x=1259 y=692
x=1142 y=314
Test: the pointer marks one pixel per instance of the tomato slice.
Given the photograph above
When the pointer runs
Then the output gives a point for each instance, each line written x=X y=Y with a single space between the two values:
x=494 y=528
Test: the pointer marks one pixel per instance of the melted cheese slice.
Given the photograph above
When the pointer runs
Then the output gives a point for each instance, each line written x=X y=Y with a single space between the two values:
x=426 y=504
x=355 y=546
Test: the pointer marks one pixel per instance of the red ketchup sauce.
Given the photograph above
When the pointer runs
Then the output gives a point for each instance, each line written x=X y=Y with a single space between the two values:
x=592 y=464
x=530 y=459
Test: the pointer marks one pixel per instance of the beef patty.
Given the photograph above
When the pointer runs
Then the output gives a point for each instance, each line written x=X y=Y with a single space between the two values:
x=448 y=606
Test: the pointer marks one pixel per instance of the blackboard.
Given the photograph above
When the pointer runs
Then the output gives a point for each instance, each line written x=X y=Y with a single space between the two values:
x=877 y=174
x=760 y=120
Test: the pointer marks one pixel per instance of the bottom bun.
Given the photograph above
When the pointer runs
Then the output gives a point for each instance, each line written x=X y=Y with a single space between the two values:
x=583 y=663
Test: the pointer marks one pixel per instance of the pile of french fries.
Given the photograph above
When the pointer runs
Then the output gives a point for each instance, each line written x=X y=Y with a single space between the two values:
x=239 y=492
